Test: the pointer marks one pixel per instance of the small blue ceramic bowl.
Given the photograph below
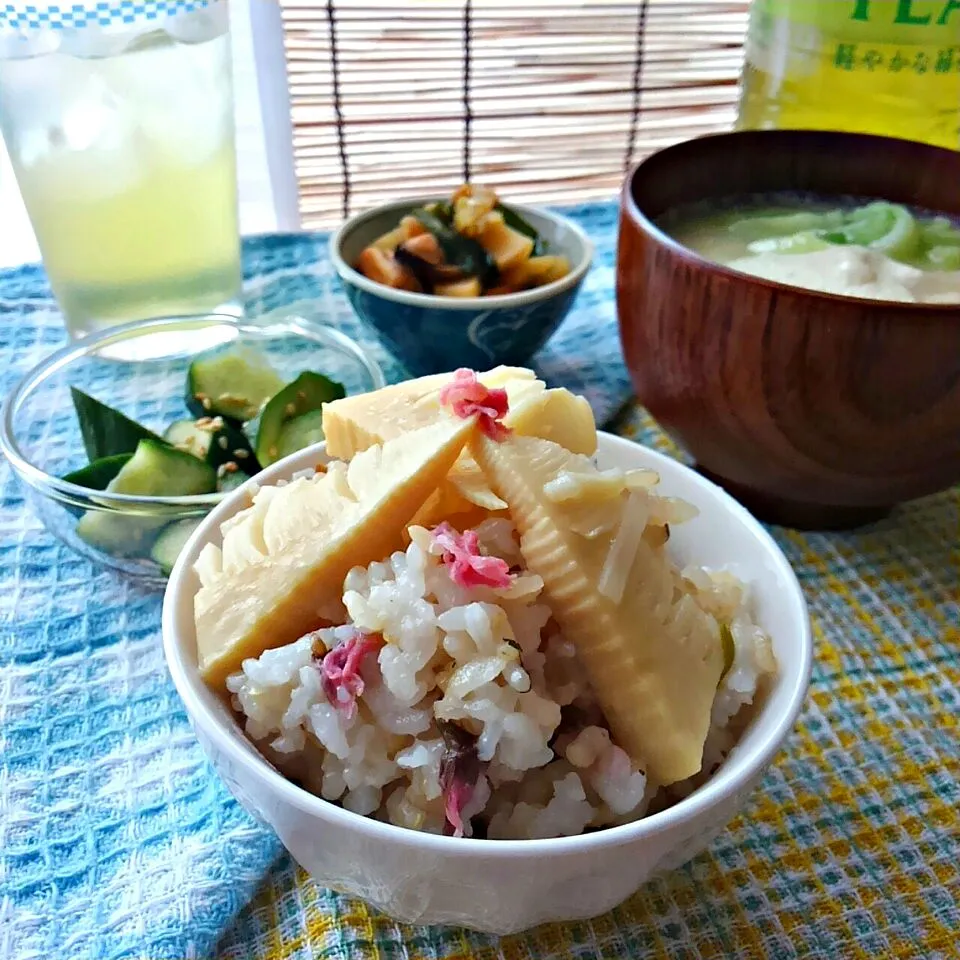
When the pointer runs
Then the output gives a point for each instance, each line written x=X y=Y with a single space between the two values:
x=430 y=334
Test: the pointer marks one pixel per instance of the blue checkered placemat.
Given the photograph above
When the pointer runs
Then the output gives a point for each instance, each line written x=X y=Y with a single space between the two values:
x=116 y=839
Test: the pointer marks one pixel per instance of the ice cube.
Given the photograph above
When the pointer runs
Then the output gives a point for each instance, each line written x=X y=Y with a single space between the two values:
x=84 y=146
x=182 y=95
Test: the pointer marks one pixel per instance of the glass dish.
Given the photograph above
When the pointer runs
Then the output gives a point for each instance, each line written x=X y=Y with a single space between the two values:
x=40 y=435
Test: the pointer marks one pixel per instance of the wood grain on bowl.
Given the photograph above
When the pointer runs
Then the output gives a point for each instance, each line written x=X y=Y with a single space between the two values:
x=814 y=410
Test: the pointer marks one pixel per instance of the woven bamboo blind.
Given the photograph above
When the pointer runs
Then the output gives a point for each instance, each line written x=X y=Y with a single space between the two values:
x=547 y=100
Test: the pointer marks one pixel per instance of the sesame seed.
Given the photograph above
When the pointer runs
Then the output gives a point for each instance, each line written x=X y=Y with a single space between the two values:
x=206 y=403
x=231 y=467
x=301 y=395
x=273 y=451
x=221 y=470
x=241 y=454
x=222 y=442
x=290 y=409
x=203 y=423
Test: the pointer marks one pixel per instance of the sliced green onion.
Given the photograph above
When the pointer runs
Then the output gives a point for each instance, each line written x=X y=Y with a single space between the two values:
x=750 y=229
x=867 y=224
x=944 y=258
x=806 y=241
x=940 y=232
x=902 y=241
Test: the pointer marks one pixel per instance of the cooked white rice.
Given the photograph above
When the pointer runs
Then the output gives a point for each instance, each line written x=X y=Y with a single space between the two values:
x=492 y=661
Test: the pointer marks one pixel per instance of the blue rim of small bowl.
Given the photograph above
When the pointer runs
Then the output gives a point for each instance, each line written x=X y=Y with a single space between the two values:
x=520 y=298
x=75 y=495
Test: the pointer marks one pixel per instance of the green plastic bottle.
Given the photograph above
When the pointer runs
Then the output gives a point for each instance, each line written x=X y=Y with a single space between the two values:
x=867 y=66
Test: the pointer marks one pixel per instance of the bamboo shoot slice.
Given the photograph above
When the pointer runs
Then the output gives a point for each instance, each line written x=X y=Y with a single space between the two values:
x=653 y=659
x=283 y=560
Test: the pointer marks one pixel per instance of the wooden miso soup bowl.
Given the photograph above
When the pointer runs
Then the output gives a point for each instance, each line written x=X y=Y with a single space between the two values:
x=815 y=411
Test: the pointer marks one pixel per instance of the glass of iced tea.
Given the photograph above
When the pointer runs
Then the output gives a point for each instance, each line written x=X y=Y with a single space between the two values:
x=118 y=117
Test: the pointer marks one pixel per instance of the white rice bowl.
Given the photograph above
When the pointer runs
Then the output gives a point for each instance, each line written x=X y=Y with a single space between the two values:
x=493 y=662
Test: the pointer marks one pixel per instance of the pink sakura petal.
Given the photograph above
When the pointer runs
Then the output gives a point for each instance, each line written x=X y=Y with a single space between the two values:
x=468 y=397
x=468 y=566
x=340 y=676
x=459 y=772
x=457 y=797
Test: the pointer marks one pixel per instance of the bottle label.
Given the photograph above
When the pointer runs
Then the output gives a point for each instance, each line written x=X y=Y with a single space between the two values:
x=877 y=66
x=882 y=15
x=892 y=39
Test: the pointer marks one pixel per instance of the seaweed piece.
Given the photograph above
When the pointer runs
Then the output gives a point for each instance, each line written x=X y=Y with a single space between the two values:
x=515 y=222
x=464 y=253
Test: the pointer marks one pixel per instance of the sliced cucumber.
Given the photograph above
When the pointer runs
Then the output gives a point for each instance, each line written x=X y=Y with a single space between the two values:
x=214 y=439
x=305 y=394
x=171 y=541
x=232 y=445
x=117 y=535
x=187 y=436
x=233 y=382
x=229 y=482
x=106 y=432
x=98 y=474
x=156 y=469
x=300 y=432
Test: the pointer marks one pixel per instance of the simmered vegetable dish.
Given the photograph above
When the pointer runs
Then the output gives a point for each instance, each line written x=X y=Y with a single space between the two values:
x=469 y=246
